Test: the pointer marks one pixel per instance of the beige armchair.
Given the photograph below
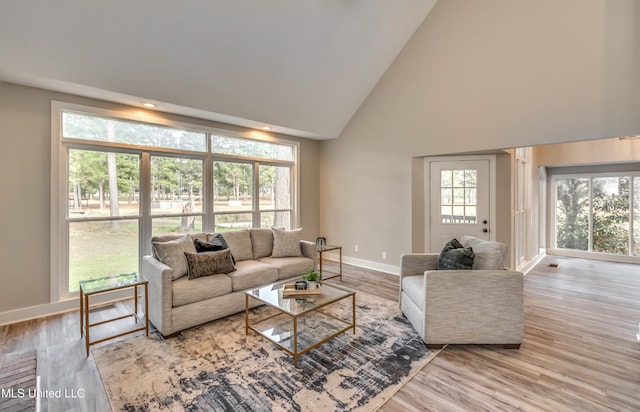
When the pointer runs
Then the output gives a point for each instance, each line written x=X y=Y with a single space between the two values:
x=483 y=306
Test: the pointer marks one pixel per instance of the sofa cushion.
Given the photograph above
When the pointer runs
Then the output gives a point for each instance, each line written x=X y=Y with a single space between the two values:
x=290 y=266
x=209 y=263
x=171 y=253
x=186 y=291
x=454 y=256
x=251 y=273
x=286 y=243
x=239 y=242
x=262 y=242
x=489 y=255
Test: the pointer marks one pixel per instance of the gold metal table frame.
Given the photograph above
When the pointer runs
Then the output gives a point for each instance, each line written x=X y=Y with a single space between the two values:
x=296 y=310
x=329 y=248
x=108 y=284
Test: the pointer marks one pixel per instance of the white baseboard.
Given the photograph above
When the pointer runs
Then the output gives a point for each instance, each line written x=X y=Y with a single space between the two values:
x=54 y=308
x=528 y=265
x=367 y=264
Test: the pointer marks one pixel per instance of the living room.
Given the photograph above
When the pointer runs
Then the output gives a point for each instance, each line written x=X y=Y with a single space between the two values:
x=473 y=78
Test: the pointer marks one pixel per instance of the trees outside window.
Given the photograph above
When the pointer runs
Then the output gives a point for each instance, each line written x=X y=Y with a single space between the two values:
x=598 y=214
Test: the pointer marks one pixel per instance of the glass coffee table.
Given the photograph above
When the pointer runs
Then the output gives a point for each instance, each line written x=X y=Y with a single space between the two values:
x=300 y=324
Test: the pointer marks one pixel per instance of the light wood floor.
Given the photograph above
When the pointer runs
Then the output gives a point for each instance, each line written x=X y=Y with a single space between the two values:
x=579 y=352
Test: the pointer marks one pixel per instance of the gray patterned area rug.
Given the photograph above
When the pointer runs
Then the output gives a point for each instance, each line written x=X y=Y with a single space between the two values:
x=216 y=367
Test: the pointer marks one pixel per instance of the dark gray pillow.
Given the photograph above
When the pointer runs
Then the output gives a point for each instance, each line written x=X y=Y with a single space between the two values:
x=454 y=256
x=215 y=244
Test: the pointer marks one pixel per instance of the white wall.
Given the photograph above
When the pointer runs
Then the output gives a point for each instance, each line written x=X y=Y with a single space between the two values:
x=476 y=75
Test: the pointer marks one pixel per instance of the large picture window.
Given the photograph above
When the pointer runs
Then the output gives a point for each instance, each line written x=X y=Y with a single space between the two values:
x=598 y=213
x=119 y=180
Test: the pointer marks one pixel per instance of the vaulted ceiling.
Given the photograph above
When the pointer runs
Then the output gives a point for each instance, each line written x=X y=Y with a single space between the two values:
x=300 y=67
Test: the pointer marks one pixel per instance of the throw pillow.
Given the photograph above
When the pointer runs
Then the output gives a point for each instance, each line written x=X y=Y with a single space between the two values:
x=454 y=256
x=239 y=242
x=209 y=263
x=286 y=243
x=171 y=253
x=216 y=243
x=490 y=255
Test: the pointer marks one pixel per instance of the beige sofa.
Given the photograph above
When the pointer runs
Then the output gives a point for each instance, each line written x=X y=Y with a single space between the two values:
x=178 y=302
x=479 y=306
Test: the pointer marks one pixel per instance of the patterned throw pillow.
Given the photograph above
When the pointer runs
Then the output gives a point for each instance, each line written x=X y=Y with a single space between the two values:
x=209 y=263
x=171 y=253
x=286 y=243
x=214 y=244
x=454 y=256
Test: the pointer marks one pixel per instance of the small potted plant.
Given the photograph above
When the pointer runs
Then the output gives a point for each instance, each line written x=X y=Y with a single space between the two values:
x=313 y=278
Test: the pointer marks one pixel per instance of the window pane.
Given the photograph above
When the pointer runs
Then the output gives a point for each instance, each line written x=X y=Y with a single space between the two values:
x=446 y=196
x=275 y=219
x=178 y=225
x=103 y=184
x=458 y=196
x=458 y=178
x=636 y=216
x=228 y=222
x=611 y=215
x=572 y=213
x=251 y=148
x=471 y=196
x=470 y=214
x=90 y=127
x=176 y=185
x=446 y=178
x=99 y=249
x=233 y=186
x=275 y=187
x=470 y=178
x=446 y=212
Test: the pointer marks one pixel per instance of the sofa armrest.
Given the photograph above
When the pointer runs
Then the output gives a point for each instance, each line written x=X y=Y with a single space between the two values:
x=486 y=306
x=160 y=280
x=309 y=250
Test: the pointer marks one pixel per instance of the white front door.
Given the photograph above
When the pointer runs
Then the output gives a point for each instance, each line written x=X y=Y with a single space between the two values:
x=459 y=200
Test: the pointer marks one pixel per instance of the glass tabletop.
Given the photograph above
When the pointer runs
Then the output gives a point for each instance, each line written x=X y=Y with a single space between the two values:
x=272 y=295
x=111 y=282
x=323 y=248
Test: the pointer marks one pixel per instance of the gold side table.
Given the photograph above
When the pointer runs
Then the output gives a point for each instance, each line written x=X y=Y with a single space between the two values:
x=328 y=248
x=102 y=285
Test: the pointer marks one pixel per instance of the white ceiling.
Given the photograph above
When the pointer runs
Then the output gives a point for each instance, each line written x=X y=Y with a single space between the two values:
x=300 y=66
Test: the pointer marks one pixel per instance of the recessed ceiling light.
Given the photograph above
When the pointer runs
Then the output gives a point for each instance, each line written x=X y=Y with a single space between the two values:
x=149 y=105
x=266 y=128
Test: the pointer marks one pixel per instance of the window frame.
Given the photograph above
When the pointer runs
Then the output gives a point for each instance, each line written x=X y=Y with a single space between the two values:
x=60 y=147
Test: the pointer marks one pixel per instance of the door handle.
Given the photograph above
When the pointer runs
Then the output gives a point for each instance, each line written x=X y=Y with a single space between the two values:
x=484 y=222
x=485 y=230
